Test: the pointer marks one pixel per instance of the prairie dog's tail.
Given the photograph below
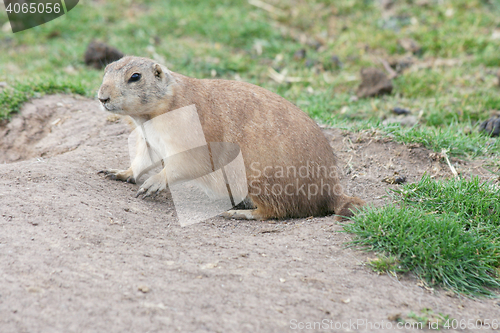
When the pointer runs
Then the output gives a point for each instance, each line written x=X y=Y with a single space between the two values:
x=344 y=204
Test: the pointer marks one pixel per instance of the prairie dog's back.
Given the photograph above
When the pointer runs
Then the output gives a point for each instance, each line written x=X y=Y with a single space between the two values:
x=265 y=125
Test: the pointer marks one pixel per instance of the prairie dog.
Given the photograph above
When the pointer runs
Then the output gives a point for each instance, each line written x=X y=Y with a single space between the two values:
x=290 y=167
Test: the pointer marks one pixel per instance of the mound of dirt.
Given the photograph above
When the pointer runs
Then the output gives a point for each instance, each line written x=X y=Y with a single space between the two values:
x=47 y=127
x=81 y=253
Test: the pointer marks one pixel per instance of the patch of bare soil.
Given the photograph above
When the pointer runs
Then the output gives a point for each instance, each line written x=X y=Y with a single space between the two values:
x=79 y=253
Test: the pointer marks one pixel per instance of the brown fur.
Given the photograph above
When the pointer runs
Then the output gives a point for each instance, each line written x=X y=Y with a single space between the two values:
x=273 y=134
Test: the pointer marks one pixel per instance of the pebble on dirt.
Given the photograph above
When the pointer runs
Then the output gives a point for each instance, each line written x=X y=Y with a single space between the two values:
x=395 y=179
x=143 y=289
x=99 y=54
x=374 y=82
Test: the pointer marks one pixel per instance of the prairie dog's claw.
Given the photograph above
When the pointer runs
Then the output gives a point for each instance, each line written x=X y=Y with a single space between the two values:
x=141 y=191
x=152 y=186
x=115 y=174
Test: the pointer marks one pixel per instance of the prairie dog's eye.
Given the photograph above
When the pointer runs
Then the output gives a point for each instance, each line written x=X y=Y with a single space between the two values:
x=135 y=77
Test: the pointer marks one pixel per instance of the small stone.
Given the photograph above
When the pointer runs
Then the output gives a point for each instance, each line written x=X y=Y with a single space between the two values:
x=400 y=111
x=143 y=289
x=33 y=289
x=210 y=265
x=436 y=156
x=394 y=317
x=35 y=222
x=395 y=179
x=113 y=118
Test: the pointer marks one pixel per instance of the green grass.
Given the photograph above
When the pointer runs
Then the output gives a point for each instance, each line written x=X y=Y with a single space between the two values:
x=234 y=39
x=13 y=97
x=458 y=139
x=452 y=138
x=446 y=232
x=427 y=318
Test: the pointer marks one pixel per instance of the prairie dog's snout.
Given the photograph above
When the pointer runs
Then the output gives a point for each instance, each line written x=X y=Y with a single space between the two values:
x=104 y=96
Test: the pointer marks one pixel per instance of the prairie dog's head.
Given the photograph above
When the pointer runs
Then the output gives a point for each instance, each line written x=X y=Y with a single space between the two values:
x=134 y=86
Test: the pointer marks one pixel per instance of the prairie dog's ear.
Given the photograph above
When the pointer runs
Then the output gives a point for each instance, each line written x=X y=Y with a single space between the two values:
x=158 y=72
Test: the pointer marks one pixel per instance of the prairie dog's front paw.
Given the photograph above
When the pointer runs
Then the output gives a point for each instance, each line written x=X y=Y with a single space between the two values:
x=123 y=175
x=152 y=186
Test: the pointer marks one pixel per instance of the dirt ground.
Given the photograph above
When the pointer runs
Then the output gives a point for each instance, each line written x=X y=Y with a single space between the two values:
x=79 y=253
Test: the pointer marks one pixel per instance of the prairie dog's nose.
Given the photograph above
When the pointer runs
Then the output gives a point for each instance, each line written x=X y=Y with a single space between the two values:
x=103 y=93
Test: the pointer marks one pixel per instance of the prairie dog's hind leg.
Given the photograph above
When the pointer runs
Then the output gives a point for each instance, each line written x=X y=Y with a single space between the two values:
x=241 y=214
